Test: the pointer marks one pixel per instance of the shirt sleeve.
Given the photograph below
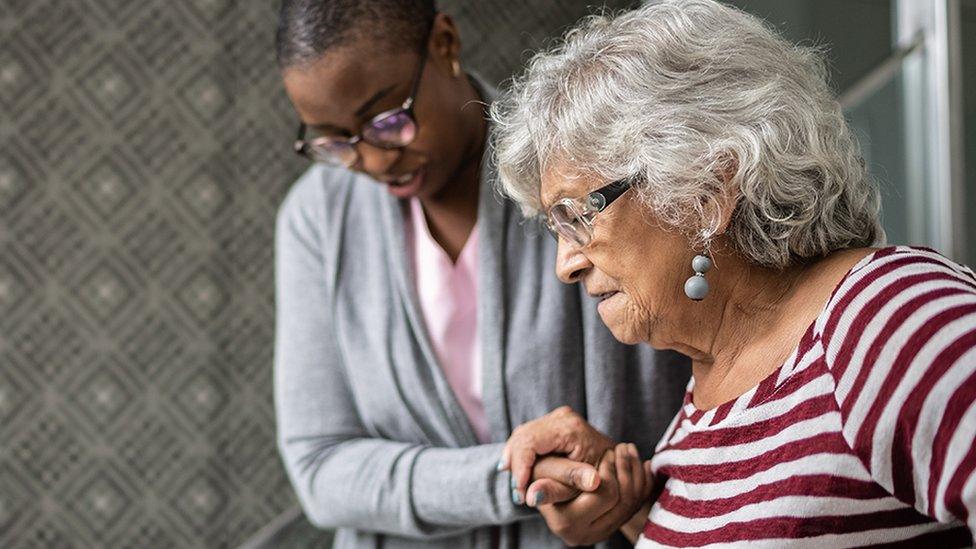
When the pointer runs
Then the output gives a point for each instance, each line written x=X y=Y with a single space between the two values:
x=345 y=476
x=900 y=341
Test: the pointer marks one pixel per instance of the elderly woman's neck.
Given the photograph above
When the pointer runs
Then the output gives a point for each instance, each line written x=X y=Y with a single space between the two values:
x=738 y=339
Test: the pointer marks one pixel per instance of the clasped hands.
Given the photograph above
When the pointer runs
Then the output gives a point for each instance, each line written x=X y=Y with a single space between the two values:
x=584 y=485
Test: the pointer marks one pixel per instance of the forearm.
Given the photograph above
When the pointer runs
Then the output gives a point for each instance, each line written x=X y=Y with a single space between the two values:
x=399 y=488
x=462 y=487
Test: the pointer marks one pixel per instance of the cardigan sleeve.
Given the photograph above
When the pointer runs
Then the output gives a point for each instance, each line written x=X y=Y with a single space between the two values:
x=345 y=476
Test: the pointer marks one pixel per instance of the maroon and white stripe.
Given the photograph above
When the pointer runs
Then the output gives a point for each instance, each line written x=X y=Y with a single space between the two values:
x=865 y=436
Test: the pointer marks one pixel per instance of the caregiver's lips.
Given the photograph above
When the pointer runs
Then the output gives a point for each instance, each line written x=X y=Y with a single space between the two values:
x=400 y=179
x=405 y=185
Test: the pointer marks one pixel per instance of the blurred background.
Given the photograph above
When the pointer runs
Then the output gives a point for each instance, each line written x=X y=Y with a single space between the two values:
x=144 y=149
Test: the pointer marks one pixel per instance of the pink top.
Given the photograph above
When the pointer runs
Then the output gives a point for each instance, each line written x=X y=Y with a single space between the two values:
x=448 y=293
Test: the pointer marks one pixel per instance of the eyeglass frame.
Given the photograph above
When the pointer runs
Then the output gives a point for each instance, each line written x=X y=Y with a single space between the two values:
x=585 y=209
x=302 y=146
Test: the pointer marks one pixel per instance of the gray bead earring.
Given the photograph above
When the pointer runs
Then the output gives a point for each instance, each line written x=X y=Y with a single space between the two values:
x=696 y=287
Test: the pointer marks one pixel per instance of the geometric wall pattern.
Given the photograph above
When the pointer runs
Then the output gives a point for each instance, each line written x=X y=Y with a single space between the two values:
x=144 y=148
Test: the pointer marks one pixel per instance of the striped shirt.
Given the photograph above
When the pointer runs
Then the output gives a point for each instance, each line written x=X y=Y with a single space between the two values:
x=864 y=436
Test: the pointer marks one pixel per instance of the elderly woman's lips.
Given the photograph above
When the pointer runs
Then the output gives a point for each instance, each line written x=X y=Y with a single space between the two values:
x=605 y=295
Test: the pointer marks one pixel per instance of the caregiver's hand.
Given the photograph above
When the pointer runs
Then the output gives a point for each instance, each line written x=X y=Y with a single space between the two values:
x=561 y=431
x=556 y=479
x=625 y=484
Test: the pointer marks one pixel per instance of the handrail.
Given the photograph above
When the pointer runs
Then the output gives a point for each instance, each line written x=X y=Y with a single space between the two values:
x=266 y=534
x=880 y=75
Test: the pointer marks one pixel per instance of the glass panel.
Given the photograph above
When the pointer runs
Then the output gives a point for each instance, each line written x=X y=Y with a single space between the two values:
x=968 y=34
x=879 y=124
x=858 y=37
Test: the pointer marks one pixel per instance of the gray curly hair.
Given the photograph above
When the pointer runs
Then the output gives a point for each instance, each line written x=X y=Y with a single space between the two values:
x=679 y=95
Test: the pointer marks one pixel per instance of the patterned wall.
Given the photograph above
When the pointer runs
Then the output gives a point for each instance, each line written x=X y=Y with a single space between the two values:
x=144 y=148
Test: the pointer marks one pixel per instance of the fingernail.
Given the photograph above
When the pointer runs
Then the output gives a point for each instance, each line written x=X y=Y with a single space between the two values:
x=500 y=465
x=589 y=477
x=512 y=482
x=517 y=498
x=539 y=498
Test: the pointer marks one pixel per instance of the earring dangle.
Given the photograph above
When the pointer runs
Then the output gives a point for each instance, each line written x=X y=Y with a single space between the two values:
x=456 y=68
x=696 y=287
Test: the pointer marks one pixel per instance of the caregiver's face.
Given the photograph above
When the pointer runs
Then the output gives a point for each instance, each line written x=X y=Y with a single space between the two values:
x=351 y=84
x=632 y=265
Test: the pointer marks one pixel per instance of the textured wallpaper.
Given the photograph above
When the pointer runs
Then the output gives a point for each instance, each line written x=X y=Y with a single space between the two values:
x=144 y=149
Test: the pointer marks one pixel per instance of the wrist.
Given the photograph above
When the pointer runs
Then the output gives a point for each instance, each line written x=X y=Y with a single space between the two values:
x=635 y=525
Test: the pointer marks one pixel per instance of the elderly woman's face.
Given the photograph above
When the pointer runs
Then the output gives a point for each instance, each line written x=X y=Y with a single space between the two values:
x=632 y=265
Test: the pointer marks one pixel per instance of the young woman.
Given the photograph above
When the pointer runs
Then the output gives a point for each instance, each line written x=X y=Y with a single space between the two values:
x=416 y=323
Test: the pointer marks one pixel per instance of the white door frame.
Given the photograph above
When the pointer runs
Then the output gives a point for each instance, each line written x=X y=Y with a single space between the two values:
x=932 y=92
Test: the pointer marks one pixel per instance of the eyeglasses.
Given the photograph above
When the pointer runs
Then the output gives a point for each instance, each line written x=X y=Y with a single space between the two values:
x=572 y=218
x=390 y=129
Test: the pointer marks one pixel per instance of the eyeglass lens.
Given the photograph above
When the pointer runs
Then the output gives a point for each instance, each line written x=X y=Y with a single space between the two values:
x=390 y=131
x=568 y=222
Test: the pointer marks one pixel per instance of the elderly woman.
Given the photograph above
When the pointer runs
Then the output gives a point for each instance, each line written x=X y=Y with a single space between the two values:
x=704 y=186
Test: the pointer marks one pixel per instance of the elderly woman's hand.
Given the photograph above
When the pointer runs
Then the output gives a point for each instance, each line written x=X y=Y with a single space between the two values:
x=561 y=431
x=625 y=484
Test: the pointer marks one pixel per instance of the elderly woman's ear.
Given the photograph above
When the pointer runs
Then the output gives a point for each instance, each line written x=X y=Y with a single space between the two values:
x=720 y=207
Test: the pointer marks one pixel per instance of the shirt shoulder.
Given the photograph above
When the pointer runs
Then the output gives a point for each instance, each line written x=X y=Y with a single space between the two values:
x=315 y=189
x=319 y=203
x=893 y=284
x=900 y=316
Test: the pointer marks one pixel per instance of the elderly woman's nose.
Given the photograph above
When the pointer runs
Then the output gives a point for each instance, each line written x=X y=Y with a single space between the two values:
x=570 y=262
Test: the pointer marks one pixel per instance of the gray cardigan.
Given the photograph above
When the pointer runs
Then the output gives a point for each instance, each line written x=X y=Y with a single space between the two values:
x=373 y=439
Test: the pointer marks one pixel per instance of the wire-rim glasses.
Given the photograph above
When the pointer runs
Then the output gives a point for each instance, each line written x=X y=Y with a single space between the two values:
x=390 y=129
x=572 y=218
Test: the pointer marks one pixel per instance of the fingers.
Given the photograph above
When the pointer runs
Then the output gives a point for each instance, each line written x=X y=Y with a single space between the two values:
x=607 y=492
x=649 y=484
x=547 y=492
x=625 y=477
x=522 y=460
x=572 y=521
x=581 y=476
x=589 y=506
x=505 y=460
x=630 y=474
x=593 y=516
x=637 y=473
x=552 y=432
x=637 y=470
x=608 y=465
x=592 y=445
x=561 y=431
